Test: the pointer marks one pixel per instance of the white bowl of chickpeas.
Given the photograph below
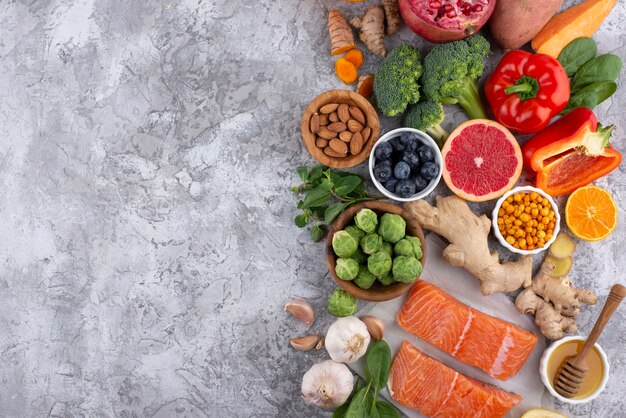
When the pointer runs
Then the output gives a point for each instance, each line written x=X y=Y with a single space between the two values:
x=526 y=220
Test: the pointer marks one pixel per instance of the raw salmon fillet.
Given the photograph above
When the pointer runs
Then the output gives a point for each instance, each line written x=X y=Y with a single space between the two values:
x=423 y=383
x=493 y=345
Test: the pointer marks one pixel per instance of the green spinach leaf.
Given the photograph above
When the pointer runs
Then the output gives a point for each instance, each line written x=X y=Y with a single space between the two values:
x=378 y=363
x=341 y=411
x=385 y=410
x=591 y=96
x=577 y=53
x=603 y=68
x=361 y=404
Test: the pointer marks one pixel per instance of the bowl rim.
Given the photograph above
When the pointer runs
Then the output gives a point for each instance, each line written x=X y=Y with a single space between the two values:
x=543 y=364
x=378 y=292
x=339 y=96
x=438 y=159
x=496 y=230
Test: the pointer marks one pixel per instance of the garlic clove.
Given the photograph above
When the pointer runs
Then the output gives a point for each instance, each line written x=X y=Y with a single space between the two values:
x=375 y=326
x=320 y=344
x=302 y=310
x=305 y=343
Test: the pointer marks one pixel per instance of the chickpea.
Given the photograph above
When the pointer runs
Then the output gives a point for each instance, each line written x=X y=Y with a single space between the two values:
x=500 y=221
x=517 y=222
x=545 y=220
x=517 y=197
x=510 y=240
x=544 y=212
x=524 y=217
x=541 y=234
x=551 y=226
x=510 y=209
x=533 y=212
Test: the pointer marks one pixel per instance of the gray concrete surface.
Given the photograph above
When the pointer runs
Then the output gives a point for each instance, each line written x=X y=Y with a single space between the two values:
x=146 y=237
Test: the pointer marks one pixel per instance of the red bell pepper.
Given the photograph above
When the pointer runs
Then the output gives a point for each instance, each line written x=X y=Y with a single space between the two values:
x=571 y=153
x=526 y=90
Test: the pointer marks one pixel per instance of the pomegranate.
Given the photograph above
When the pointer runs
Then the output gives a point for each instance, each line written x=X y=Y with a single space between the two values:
x=446 y=20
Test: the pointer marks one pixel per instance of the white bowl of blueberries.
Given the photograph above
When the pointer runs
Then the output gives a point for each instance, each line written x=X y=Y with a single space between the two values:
x=405 y=164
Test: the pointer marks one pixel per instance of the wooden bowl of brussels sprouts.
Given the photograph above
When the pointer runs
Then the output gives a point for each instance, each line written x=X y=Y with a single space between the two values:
x=389 y=255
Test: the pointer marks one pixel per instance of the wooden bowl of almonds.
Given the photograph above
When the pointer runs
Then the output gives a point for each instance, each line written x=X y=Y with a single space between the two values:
x=339 y=128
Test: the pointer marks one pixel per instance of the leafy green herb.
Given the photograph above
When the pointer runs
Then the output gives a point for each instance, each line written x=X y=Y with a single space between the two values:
x=591 y=96
x=603 y=68
x=577 y=53
x=365 y=403
x=327 y=193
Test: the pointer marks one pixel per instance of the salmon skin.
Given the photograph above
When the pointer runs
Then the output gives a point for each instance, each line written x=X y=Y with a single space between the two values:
x=495 y=346
x=437 y=391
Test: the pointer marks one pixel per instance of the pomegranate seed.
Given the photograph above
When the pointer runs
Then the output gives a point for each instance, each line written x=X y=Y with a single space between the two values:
x=435 y=4
x=448 y=8
x=477 y=8
x=451 y=14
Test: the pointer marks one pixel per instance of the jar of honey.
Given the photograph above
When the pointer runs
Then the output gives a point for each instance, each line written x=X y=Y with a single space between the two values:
x=556 y=355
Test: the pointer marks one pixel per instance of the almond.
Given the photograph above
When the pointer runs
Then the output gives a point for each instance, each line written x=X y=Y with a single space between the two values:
x=357 y=114
x=326 y=133
x=323 y=120
x=333 y=117
x=366 y=132
x=345 y=136
x=356 y=145
x=328 y=108
x=337 y=127
x=354 y=126
x=343 y=111
x=314 y=123
x=338 y=146
x=321 y=142
x=329 y=151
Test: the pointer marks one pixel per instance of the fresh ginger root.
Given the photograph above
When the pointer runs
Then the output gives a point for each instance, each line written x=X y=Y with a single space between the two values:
x=341 y=37
x=365 y=87
x=346 y=71
x=392 y=16
x=468 y=248
x=554 y=302
x=355 y=56
x=372 y=27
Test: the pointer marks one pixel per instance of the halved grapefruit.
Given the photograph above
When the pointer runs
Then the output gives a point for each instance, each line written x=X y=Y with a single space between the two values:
x=481 y=160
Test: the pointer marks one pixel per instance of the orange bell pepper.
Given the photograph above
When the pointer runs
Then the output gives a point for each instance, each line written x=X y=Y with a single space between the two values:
x=572 y=152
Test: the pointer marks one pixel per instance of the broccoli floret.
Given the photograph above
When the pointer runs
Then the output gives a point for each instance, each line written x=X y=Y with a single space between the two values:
x=396 y=82
x=427 y=116
x=451 y=71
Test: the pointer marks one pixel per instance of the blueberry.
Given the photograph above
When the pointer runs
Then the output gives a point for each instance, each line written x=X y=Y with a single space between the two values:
x=425 y=153
x=388 y=163
x=409 y=140
x=405 y=188
x=383 y=151
x=402 y=170
x=429 y=170
x=420 y=183
x=411 y=159
x=396 y=144
x=382 y=172
x=391 y=184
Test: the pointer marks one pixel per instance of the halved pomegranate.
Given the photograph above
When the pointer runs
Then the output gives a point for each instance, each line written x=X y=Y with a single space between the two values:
x=446 y=20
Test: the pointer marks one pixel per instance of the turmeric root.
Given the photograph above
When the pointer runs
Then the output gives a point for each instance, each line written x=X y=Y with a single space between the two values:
x=365 y=87
x=392 y=16
x=372 y=27
x=468 y=248
x=355 y=56
x=554 y=302
x=341 y=37
x=346 y=71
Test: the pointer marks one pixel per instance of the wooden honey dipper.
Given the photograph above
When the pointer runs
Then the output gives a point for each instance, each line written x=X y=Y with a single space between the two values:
x=572 y=373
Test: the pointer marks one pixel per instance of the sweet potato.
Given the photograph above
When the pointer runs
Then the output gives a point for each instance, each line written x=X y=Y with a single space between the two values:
x=515 y=22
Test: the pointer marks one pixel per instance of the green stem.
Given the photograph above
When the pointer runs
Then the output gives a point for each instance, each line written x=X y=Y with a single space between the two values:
x=374 y=401
x=438 y=134
x=519 y=88
x=470 y=101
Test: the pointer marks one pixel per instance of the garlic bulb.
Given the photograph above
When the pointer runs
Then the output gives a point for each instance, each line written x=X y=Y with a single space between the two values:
x=347 y=339
x=327 y=384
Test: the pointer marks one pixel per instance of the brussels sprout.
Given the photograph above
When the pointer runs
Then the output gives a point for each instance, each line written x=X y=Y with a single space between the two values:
x=388 y=248
x=371 y=243
x=341 y=303
x=387 y=279
x=346 y=268
x=379 y=263
x=364 y=279
x=417 y=246
x=406 y=269
x=359 y=256
x=392 y=227
x=356 y=233
x=344 y=244
x=366 y=220
x=404 y=247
